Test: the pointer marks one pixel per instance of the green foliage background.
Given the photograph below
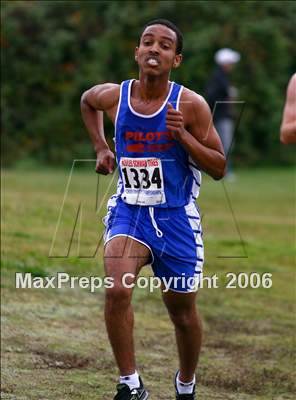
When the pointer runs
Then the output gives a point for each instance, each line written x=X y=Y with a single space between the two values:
x=54 y=50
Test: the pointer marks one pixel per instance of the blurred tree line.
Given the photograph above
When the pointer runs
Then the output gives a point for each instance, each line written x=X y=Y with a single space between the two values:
x=54 y=50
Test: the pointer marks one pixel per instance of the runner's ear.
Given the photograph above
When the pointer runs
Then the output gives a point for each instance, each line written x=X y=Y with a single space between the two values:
x=177 y=61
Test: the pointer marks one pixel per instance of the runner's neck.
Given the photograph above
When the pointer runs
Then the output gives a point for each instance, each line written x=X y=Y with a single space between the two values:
x=147 y=89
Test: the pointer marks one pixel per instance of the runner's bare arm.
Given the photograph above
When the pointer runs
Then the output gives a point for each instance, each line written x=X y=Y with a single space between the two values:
x=94 y=102
x=194 y=129
x=288 y=126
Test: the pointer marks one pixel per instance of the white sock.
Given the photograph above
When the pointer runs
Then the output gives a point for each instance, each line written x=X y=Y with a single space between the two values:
x=131 y=380
x=184 y=388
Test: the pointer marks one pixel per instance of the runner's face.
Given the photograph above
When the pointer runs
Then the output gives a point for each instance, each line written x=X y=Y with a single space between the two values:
x=156 y=53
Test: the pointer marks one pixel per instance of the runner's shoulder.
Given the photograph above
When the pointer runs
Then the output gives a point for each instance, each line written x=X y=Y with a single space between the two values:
x=191 y=100
x=108 y=93
x=103 y=96
x=189 y=95
x=110 y=88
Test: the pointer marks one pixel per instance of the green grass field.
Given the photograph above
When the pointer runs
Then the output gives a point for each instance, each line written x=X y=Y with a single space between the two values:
x=54 y=344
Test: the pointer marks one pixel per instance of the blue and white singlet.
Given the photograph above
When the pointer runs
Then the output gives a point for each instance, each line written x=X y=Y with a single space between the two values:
x=154 y=168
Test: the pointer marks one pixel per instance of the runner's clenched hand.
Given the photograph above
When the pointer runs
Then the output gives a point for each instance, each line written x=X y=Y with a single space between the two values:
x=174 y=121
x=105 y=162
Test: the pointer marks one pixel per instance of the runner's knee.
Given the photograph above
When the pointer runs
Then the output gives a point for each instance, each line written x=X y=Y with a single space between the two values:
x=181 y=320
x=118 y=297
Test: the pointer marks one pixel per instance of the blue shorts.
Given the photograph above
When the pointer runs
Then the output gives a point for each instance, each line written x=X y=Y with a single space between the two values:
x=173 y=236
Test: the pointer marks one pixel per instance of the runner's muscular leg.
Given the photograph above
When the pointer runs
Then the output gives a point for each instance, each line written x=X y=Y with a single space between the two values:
x=185 y=317
x=122 y=255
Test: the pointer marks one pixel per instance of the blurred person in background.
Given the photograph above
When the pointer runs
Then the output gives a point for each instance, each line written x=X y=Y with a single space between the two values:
x=288 y=126
x=219 y=95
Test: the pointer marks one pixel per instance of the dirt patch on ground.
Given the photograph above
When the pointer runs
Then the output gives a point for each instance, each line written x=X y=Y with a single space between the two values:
x=251 y=367
x=246 y=350
x=66 y=361
x=62 y=360
x=233 y=326
x=249 y=381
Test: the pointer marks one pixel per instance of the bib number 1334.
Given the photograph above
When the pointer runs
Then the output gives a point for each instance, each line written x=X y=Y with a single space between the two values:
x=142 y=180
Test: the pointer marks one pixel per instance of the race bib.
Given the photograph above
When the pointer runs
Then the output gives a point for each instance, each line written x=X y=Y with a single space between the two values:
x=142 y=181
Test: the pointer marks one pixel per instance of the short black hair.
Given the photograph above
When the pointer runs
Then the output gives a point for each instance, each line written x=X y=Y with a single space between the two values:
x=173 y=27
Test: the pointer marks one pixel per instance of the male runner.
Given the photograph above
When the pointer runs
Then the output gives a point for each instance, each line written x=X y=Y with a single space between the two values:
x=288 y=126
x=164 y=136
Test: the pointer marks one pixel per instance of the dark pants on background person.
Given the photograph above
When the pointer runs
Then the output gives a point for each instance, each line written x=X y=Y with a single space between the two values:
x=225 y=129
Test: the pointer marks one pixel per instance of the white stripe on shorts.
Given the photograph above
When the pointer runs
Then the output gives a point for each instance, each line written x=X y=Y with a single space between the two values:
x=195 y=224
